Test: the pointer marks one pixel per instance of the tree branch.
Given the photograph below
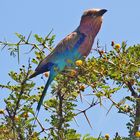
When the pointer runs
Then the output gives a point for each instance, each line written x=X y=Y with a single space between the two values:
x=133 y=93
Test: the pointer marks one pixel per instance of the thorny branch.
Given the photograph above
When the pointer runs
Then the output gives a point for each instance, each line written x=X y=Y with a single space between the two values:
x=137 y=113
x=12 y=116
x=41 y=126
x=22 y=90
x=60 y=113
x=15 y=47
x=92 y=105
x=133 y=93
x=85 y=110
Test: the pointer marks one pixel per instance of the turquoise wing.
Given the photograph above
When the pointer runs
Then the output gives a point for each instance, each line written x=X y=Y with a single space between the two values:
x=65 y=50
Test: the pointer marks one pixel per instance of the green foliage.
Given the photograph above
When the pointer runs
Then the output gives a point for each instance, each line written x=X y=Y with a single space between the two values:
x=121 y=66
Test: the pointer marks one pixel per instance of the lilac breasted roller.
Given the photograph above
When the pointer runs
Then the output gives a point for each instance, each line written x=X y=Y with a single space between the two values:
x=74 y=46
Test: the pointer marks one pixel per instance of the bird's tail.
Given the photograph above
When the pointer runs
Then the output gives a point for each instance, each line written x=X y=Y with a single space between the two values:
x=51 y=77
x=33 y=75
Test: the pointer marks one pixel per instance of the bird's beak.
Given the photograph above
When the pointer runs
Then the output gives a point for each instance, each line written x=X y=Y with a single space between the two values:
x=101 y=12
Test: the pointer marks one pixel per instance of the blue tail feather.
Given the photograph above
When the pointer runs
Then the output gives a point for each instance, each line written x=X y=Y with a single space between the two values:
x=51 y=77
x=44 y=92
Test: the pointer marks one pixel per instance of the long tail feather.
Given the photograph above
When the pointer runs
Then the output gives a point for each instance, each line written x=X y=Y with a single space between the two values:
x=51 y=77
x=44 y=92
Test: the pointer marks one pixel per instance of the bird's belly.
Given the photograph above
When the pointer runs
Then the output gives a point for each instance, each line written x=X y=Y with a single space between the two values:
x=71 y=57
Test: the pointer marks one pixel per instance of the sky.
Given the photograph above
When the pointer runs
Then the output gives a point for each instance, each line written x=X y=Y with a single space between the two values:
x=121 y=23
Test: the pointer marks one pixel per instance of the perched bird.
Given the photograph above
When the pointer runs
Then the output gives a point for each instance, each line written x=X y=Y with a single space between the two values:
x=75 y=46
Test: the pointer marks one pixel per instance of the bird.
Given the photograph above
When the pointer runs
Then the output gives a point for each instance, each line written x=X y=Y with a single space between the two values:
x=75 y=46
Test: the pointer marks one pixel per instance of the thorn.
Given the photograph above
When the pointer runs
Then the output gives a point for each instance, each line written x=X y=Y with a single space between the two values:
x=49 y=33
x=87 y=119
x=29 y=50
x=87 y=101
x=29 y=37
x=109 y=109
x=99 y=135
x=76 y=121
x=81 y=97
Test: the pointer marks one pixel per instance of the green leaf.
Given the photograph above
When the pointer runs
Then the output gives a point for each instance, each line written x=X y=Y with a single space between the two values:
x=20 y=36
x=34 y=61
x=38 y=38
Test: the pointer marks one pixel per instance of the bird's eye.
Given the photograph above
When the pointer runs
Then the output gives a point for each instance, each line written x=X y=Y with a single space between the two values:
x=93 y=15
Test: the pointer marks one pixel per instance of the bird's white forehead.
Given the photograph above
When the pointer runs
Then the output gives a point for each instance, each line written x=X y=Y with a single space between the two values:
x=95 y=9
x=91 y=11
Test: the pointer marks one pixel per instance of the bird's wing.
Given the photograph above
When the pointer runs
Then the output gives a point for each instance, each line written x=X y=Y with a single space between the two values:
x=70 y=43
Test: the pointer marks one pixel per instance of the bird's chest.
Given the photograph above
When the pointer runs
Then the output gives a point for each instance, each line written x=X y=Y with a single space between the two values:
x=86 y=46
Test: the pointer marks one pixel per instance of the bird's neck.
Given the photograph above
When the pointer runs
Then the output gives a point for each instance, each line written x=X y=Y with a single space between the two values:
x=90 y=27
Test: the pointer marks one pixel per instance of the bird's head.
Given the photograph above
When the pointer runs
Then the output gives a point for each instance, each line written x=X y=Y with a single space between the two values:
x=93 y=13
x=92 y=18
